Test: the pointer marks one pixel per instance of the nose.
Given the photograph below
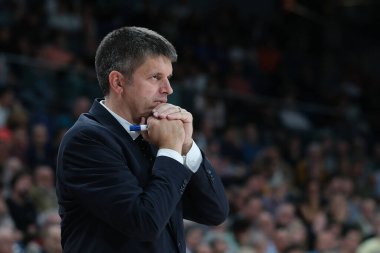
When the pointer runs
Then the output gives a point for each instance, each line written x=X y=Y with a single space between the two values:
x=166 y=87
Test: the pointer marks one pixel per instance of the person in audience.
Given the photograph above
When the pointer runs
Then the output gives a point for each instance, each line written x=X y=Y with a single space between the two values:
x=372 y=244
x=43 y=191
x=8 y=240
x=21 y=207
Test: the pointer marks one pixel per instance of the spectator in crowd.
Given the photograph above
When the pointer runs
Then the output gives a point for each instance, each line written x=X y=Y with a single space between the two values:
x=81 y=105
x=43 y=190
x=218 y=243
x=10 y=167
x=39 y=148
x=367 y=216
x=193 y=235
x=250 y=145
x=326 y=241
x=45 y=221
x=21 y=207
x=260 y=243
x=19 y=143
x=310 y=209
x=266 y=225
x=52 y=239
x=312 y=167
x=8 y=240
x=241 y=231
x=351 y=238
x=281 y=239
x=252 y=208
x=285 y=215
x=371 y=244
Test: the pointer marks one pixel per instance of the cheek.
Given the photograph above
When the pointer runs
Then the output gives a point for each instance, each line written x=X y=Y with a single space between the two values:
x=144 y=103
x=147 y=96
x=142 y=98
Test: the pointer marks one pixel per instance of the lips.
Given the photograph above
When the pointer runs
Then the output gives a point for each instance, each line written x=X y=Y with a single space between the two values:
x=162 y=101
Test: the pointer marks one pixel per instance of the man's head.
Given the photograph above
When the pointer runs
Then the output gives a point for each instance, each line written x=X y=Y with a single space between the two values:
x=125 y=49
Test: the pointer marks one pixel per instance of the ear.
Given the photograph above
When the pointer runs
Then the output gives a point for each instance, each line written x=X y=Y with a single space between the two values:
x=116 y=81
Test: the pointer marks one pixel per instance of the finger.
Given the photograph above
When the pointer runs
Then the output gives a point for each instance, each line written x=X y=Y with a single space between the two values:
x=176 y=112
x=162 y=107
x=183 y=115
x=145 y=135
x=164 y=111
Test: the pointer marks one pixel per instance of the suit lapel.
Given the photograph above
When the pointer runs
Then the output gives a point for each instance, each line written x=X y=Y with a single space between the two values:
x=100 y=114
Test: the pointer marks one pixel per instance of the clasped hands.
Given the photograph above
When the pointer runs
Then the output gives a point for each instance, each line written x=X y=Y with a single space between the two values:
x=170 y=126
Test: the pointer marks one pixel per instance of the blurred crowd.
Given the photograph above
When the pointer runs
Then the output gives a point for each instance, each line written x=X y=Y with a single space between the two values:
x=284 y=96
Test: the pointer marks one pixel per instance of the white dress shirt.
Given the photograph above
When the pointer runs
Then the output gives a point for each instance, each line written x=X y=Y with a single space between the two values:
x=192 y=160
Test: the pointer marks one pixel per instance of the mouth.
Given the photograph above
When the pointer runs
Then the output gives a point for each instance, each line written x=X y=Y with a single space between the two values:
x=161 y=101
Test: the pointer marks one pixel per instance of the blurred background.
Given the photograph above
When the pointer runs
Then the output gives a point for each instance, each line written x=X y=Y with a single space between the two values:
x=285 y=96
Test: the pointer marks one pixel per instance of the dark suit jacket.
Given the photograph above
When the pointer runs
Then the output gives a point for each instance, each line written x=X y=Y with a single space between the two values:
x=111 y=199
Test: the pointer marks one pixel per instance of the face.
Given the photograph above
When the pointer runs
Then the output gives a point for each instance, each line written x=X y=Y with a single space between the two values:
x=23 y=185
x=148 y=87
x=40 y=134
x=53 y=239
x=44 y=177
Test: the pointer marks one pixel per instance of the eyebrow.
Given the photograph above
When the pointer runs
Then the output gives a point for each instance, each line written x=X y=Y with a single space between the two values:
x=161 y=74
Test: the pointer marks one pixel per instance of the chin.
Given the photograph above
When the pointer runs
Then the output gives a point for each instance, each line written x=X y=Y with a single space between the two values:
x=147 y=114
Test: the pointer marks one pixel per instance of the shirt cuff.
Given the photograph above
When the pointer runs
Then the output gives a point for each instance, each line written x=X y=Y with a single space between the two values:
x=170 y=153
x=193 y=158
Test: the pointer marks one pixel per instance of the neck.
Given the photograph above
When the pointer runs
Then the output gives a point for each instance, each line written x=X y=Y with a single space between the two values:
x=113 y=106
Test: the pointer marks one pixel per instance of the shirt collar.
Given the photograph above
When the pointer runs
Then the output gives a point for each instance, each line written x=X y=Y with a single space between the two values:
x=125 y=124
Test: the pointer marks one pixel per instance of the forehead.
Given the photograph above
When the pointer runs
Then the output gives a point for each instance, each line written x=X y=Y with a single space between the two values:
x=155 y=64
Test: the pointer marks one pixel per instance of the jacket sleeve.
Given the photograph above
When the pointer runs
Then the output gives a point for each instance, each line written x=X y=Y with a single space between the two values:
x=94 y=173
x=204 y=199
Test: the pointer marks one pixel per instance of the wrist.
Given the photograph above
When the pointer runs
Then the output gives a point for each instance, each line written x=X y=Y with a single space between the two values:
x=187 y=146
x=173 y=146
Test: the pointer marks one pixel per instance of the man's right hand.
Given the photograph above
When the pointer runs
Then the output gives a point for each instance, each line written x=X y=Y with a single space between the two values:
x=166 y=133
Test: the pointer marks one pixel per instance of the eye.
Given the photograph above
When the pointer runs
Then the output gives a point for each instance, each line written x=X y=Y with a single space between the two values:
x=156 y=77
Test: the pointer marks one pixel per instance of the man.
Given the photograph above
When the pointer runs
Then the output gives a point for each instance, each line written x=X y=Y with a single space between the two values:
x=115 y=196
